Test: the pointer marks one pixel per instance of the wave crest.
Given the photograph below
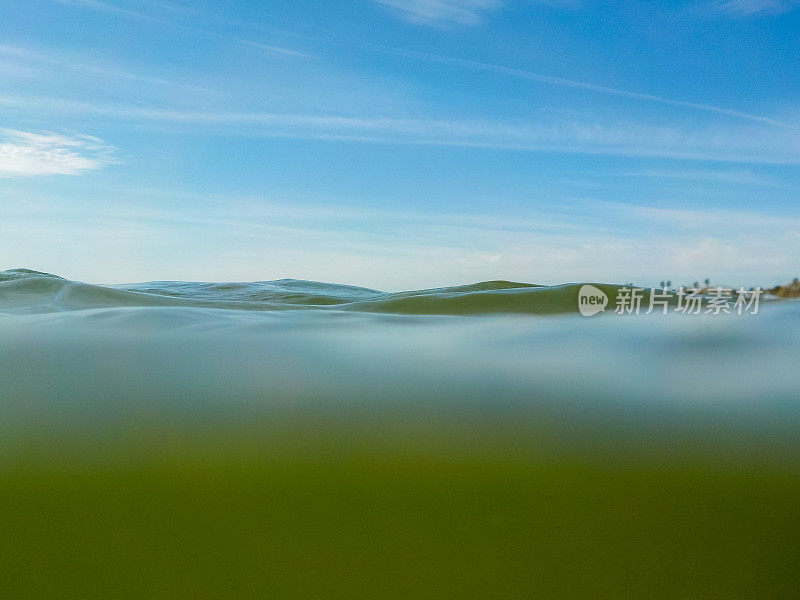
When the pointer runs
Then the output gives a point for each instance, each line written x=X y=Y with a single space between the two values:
x=25 y=290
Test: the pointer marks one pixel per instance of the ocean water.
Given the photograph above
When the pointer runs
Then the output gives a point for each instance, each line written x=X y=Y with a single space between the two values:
x=324 y=440
x=180 y=346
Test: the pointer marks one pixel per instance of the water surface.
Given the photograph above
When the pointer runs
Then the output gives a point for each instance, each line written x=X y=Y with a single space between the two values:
x=310 y=440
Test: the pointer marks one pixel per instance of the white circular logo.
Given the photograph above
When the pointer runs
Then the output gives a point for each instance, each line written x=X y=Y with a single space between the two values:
x=591 y=300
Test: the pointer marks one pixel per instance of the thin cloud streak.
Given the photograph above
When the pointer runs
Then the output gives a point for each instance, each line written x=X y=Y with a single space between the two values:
x=428 y=6
x=438 y=12
x=623 y=138
x=112 y=9
x=39 y=62
x=109 y=8
x=559 y=81
x=738 y=177
x=748 y=8
x=243 y=42
x=449 y=12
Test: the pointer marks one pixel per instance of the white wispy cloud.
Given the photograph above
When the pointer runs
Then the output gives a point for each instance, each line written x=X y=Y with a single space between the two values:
x=746 y=8
x=105 y=7
x=441 y=12
x=108 y=8
x=44 y=63
x=734 y=176
x=542 y=132
x=244 y=42
x=24 y=153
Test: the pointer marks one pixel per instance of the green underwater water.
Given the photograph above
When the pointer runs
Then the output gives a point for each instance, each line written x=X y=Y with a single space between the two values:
x=303 y=440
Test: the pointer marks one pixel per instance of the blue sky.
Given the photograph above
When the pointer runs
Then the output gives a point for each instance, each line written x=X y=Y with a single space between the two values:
x=401 y=143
